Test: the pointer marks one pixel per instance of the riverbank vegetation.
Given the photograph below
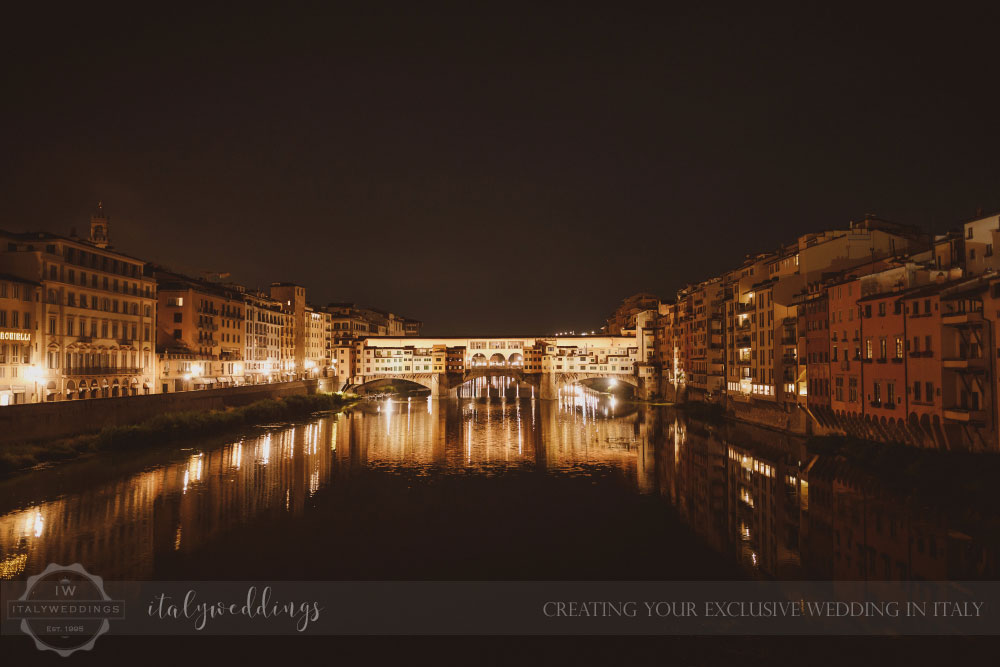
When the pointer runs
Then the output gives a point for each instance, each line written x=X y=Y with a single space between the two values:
x=169 y=427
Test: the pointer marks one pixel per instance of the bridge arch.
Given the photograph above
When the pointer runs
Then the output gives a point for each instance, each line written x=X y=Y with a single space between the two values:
x=385 y=383
x=497 y=360
x=478 y=360
x=562 y=382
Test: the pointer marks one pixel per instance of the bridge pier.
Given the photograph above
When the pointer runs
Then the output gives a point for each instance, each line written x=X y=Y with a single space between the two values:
x=442 y=388
x=548 y=390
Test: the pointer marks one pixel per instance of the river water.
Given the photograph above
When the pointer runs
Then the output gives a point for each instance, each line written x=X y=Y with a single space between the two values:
x=584 y=487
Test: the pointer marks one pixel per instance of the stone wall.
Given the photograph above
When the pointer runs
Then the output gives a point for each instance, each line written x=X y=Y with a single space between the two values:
x=42 y=421
x=795 y=422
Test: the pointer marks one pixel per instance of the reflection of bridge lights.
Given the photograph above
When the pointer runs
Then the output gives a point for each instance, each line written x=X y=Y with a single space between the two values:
x=39 y=524
x=13 y=566
x=612 y=383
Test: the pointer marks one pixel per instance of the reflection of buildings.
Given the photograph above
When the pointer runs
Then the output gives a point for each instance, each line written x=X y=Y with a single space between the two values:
x=130 y=527
x=122 y=529
x=823 y=521
x=495 y=434
x=858 y=531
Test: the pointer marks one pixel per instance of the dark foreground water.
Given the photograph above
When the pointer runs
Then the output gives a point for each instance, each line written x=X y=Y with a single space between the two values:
x=581 y=489
x=584 y=488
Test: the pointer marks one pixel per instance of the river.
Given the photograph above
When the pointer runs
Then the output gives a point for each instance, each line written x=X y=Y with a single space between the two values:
x=585 y=487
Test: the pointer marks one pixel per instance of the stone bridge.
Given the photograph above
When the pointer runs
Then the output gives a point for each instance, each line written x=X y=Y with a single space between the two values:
x=446 y=385
x=443 y=365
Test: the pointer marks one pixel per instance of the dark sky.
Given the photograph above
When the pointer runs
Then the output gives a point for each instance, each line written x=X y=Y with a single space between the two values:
x=514 y=172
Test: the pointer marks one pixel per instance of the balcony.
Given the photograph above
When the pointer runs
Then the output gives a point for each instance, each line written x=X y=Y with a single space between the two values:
x=965 y=415
x=973 y=365
x=789 y=340
x=962 y=319
x=101 y=370
x=897 y=360
x=743 y=341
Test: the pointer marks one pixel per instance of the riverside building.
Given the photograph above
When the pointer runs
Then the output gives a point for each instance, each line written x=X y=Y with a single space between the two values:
x=92 y=326
x=201 y=323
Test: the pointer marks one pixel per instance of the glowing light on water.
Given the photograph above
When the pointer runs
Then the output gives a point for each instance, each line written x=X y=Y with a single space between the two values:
x=12 y=566
x=265 y=457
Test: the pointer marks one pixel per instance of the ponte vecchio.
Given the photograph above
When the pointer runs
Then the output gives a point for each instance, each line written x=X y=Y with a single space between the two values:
x=547 y=363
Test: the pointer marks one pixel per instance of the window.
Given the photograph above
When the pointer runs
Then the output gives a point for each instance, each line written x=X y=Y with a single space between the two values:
x=868 y=348
x=881 y=309
x=969 y=233
x=916 y=391
x=881 y=348
x=972 y=253
x=890 y=394
x=899 y=347
x=929 y=391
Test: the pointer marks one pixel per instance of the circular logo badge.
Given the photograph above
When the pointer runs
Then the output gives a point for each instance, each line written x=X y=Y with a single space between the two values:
x=65 y=609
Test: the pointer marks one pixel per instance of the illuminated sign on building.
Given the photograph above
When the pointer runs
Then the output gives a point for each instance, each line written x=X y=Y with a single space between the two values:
x=15 y=335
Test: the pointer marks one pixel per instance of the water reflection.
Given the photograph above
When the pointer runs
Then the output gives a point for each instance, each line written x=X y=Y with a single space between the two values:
x=781 y=513
x=749 y=494
x=122 y=526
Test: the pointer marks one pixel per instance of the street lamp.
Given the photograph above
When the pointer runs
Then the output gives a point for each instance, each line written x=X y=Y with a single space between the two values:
x=33 y=373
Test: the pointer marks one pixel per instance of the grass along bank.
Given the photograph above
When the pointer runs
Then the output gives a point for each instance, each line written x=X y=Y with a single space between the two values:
x=169 y=427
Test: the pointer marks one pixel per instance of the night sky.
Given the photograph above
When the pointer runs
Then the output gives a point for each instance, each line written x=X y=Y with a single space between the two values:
x=515 y=172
